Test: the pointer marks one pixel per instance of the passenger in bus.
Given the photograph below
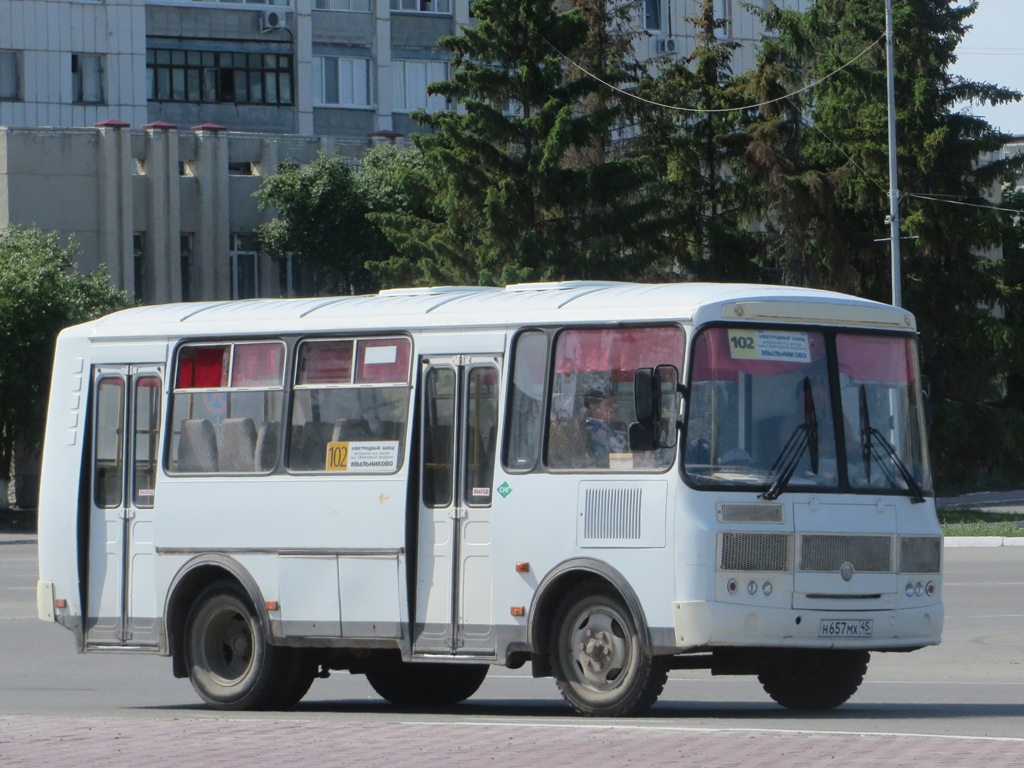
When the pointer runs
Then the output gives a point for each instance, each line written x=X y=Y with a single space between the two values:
x=604 y=440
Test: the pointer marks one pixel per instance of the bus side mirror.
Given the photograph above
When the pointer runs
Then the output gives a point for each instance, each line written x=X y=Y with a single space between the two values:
x=656 y=401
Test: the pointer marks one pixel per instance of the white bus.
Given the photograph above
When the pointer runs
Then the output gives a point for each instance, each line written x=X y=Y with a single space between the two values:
x=605 y=480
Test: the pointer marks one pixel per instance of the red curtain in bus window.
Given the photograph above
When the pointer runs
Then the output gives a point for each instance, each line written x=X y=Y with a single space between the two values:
x=383 y=361
x=202 y=367
x=884 y=359
x=619 y=351
x=720 y=354
x=257 y=365
x=325 y=362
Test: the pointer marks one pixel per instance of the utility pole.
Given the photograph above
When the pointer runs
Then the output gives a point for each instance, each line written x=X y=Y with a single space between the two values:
x=894 y=192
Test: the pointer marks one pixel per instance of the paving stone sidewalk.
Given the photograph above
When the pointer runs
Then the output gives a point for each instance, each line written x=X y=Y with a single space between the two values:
x=30 y=741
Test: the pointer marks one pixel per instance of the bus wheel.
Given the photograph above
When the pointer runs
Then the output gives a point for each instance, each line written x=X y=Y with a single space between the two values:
x=296 y=670
x=815 y=680
x=597 y=657
x=425 y=685
x=230 y=663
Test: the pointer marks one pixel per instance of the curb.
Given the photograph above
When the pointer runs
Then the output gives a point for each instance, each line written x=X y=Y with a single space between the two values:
x=983 y=541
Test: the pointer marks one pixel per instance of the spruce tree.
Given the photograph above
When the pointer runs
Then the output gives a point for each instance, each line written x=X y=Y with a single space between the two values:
x=693 y=127
x=527 y=184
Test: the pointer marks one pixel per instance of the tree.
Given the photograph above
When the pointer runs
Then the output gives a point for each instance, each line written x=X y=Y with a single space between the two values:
x=320 y=219
x=696 y=134
x=823 y=159
x=525 y=182
x=41 y=292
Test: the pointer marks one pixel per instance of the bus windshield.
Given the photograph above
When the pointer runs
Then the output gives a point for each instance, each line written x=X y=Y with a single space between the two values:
x=839 y=411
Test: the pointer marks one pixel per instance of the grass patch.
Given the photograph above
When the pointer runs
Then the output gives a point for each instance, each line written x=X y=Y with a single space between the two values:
x=964 y=521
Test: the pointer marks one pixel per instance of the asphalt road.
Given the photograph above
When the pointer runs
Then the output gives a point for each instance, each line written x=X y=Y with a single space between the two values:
x=959 y=703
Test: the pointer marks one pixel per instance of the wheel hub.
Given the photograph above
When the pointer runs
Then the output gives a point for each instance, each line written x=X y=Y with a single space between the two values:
x=596 y=650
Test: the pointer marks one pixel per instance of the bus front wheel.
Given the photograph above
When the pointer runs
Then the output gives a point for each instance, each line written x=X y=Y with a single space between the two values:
x=814 y=680
x=230 y=663
x=597 y=656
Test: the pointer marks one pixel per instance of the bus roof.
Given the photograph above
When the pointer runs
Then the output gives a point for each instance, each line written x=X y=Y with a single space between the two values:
x=479 y=307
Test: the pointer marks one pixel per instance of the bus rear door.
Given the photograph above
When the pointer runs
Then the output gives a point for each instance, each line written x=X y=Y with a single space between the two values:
x=126 y=410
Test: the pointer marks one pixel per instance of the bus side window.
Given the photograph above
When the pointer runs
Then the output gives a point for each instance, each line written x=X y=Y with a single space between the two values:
x=525 y=420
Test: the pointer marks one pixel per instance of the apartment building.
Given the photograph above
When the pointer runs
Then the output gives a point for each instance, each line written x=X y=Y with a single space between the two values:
x=143 y=126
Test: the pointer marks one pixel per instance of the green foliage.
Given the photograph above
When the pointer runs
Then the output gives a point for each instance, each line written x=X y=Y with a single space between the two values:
x=698 y=153
x=1001 y=529
x=40 y=293
x=320 y=219
x=525 y=182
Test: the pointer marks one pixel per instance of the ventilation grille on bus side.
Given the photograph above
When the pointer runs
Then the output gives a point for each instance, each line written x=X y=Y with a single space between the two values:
x=920 y=554
x=755 y=551
x=612 y=513
x=750 y=513
x=828 y=552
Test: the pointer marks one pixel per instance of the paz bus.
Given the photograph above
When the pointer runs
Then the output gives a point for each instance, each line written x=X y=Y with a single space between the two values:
x=607 y=481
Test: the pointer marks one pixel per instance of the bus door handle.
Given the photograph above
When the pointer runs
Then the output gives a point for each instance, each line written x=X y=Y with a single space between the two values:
x=458 y=513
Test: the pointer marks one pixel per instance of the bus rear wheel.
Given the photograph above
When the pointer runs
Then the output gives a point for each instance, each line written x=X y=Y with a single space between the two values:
x=597 y=656
x=230 y=663
x=814 y=680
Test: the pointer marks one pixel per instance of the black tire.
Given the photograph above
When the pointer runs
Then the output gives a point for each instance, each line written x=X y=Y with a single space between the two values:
x=597 y=656
x=425 y=685
x=815 y=680
x=296 y=670
x=230 y=663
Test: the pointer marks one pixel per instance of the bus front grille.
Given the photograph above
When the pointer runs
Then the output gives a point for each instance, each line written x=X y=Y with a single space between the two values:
x=828 y=552
x=741 y=551
x=920 y=554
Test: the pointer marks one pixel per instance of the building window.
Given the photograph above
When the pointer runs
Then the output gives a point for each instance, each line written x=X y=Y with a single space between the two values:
x=342 y=5
x=422 y=6
x=186 y=266
x=87 y=78
x=342 y=82
x=10 y=76
x=723 y=15
x=410 y=80
x=652 y=14
x=219 y=77
x=245 y=277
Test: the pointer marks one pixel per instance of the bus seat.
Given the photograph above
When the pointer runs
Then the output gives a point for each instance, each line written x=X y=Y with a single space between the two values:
x=767 y=441
x=568 y=444
x=197 y=447
x=267 y=446
x=236 y=445
x=312 y=448
x=351 y=429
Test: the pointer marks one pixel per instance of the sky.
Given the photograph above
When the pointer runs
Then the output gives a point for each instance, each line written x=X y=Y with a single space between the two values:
x=993 y=52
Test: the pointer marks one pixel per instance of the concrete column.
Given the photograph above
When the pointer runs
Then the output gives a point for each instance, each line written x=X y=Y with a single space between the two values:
x=303 y=86
x=212 y=240
x=114 y=203
x=382 y=47
x=163 y=214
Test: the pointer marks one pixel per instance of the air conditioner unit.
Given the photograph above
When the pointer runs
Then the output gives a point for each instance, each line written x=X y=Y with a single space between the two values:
x=665 y=45
x=271 y=20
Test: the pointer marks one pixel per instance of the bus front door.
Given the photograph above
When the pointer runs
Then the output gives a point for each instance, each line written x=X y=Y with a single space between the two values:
x=459 y=417
x=125 y=417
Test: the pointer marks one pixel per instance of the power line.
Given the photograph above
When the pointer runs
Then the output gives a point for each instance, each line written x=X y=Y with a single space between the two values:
x=696 y=110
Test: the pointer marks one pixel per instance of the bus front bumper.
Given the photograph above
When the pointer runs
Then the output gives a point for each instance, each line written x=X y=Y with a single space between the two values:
x=703 y=624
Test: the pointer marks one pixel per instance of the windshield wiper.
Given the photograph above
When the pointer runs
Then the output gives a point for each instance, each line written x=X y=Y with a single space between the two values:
x=871 y=440
x=804 y=438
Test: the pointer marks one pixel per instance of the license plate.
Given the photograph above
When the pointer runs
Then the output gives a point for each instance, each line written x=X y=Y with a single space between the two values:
x=845 y=628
